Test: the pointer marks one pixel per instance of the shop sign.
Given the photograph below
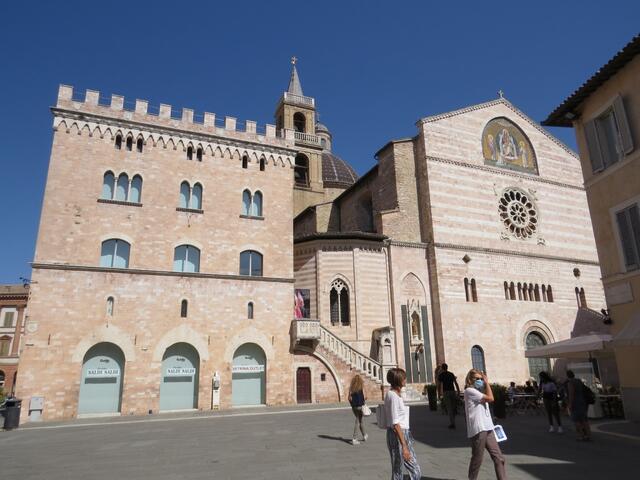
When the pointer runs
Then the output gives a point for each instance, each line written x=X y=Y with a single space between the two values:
x=247 y=369
x=180 y=372
x=102 y=372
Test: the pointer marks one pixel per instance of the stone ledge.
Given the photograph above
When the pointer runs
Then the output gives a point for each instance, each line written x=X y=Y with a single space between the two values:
x=189 y=210
x=119 y=202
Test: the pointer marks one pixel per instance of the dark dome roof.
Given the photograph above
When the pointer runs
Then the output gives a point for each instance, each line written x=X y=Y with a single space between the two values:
x=336 y=172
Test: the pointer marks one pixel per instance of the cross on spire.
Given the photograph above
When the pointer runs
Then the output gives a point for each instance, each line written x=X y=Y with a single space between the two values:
x=500 y=93
x=294 y=59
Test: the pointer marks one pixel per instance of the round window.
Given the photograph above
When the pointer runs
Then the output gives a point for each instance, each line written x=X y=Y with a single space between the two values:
x=518 y=213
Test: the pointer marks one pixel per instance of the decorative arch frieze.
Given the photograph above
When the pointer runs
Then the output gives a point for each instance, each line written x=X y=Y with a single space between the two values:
x=104 y=333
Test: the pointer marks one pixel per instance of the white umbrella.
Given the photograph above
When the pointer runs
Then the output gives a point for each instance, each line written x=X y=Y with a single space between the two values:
x=572 y=347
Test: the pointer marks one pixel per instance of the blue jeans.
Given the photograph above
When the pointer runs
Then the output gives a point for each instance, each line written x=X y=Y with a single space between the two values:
x=395 y=449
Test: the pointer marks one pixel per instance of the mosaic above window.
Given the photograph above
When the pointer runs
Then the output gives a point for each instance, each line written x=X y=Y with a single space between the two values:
x=504 y=145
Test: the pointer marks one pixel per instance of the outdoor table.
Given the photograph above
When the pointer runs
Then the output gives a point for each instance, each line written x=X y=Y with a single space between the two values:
x=611 y=405
x=525 y=402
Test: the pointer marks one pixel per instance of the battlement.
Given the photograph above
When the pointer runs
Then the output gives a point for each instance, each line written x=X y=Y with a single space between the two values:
x=115 y=106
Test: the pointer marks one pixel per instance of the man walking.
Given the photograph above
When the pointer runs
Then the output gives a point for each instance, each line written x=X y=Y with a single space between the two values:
x=449 y=391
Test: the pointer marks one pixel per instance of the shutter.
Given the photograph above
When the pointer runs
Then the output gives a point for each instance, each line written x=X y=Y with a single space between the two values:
x=593 y=146
x=634 y=217
x=623 y=125
x=406 y=343
x=624 y=227
x=428 y=364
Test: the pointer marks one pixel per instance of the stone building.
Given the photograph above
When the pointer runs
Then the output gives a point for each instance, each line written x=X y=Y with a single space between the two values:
x=13 y=303
x=468 y=243
x=171 y=247
x=605 y=112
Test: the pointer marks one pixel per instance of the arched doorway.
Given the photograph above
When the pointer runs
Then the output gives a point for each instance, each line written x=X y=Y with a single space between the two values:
x=537 y=365
x=101 y=382
x=179 y=383
x=303 y=385
x=249 y=376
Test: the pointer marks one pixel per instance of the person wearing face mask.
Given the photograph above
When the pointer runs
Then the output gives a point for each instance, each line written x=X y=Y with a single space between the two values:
x=477 y=397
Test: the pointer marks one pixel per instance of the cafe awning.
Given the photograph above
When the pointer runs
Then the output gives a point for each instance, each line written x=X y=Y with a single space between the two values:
x=573 y=347
x=629 y=336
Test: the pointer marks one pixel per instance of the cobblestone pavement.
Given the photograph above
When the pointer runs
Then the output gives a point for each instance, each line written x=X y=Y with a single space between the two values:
x=295 y=443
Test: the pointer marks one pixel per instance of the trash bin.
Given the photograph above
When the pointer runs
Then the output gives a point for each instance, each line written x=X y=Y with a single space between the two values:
x=12 y=407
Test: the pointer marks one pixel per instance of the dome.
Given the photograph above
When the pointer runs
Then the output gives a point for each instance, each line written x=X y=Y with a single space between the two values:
x=336 y=172
x=322 y=128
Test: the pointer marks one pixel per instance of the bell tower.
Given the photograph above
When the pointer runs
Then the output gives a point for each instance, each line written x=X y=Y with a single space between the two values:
x=297 y=112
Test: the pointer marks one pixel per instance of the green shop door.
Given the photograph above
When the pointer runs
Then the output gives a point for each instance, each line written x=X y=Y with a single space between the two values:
x=179 y=382
x=101 y=383
x=249 y=376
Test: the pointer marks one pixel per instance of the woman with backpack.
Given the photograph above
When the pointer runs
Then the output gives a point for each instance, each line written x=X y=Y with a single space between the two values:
x=357 y=400
x=578 y=404
x=549 y=391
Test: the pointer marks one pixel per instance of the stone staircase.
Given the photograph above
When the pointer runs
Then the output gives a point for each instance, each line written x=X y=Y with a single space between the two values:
x=346 y=360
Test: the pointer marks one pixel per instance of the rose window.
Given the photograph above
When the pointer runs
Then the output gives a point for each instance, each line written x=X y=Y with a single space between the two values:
x=518 y=213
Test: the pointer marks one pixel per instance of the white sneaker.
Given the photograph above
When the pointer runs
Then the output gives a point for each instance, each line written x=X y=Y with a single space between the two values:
x=355 y=442
x=560 y=430
x=366 y=437
x=552 y=429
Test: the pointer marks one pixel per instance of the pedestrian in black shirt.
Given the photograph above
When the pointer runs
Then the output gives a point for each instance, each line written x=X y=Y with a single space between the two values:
x=449 y=391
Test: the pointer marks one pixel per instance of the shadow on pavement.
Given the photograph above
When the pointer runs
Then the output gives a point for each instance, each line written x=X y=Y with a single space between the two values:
x=338 y=439
x=531 y=448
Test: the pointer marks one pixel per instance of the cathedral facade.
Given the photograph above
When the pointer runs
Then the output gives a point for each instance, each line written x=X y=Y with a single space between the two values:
x=188 y=262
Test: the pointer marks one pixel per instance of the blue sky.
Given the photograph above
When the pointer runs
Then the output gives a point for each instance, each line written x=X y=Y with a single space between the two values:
x=374 y=68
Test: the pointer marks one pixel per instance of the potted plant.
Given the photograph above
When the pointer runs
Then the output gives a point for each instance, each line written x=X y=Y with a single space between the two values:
x=500 y=400
x=432 y=396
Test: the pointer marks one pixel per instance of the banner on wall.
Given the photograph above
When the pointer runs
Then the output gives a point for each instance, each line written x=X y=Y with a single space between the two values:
x=247 y=369
x=302 y=303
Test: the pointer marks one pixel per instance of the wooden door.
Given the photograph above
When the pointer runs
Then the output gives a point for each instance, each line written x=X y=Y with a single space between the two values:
x=303 y=383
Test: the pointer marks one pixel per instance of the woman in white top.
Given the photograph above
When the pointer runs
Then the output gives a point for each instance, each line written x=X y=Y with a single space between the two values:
x=477 y=396
x=399 y=439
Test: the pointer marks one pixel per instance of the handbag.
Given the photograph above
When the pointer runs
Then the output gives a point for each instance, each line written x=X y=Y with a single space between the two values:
x=366 y=411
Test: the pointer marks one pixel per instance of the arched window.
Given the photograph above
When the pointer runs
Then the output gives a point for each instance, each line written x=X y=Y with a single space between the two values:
x=474 y=291
x=184 y=305
x=246 y=202
x=251 y=263
x=114 y=253
x=537 y=365
x=299 y=122
x=245 y=162
x=415 y=327
x=108 y=184
x=199 y=154
x=139 y=144
x=122 y=188
x=525 y=292
x=531 y=297
x=196 y=197
x=512 y=291
x=506 y=291
x=256 y=205
x=477 y=358
x=549 y=294
x=536 y=292
x=250 y=310
x=581 y=298
x=339 y=303
x=189 y=152
x=118 y=142
x=466 y=289
x=519 y=291
x=186 y=258
x=301 y=171
x=129 y=143
x=544 y=292
x=110 y=306
x=262 y=164
x=136 y=189
x=185 y=194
